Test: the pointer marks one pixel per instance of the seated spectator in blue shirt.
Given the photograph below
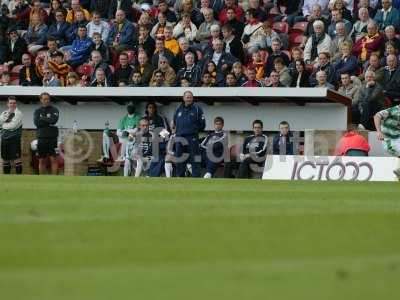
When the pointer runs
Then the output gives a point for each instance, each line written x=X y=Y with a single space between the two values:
x=122 y=34
x=347 y=63
x=49 y=79
x=388 y=15
x=72 y=32
x=36 y=35
x=283 y=142
x=59 y=30
x=81 y=48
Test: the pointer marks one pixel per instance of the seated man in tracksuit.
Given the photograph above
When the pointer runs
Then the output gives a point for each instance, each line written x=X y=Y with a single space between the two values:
x=253 y=152
x=189 y=121
x=213 y=147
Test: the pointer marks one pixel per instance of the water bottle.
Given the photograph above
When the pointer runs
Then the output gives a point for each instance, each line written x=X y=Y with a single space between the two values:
x=75 y=126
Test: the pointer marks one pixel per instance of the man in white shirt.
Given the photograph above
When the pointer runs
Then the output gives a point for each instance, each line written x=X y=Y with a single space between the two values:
x=97 y=25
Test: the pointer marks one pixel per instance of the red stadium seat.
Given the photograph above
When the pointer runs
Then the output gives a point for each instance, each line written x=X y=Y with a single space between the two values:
x=85 y=69
x=281 y=27
x=295 y=39
x=299 y=27
x=15 y=72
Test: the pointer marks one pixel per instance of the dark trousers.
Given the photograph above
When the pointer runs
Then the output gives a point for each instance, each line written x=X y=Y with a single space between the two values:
x=363 y=113
x=157 y=167
x=192 y=150
x=245 y=167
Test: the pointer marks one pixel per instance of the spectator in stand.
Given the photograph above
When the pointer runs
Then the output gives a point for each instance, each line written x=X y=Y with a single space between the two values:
x=49 y=79
x=206 y=80
x=322 y=81
x=251 y=79
x=258 y=64
x=185 y=28
x=170 y=42
x=391 y=81
x=373 y=64
x=59 y=29
x=325 y=65
x=232 y=44
x=163 y=8
x=80 y=20
x=276 y=53
x=158 y=79
x=390 y=36
x=273 y=80
x=145 y=41
x=195 y=15
x=122 y=34
x=51 y=48
x=136 y=80
x=145 y=19
x=204 y=32
x=230 y=80
x=73 y=80
x=124 y=5
x=282 y=143
x=5 y=79
x=28 y=75
x=168 y=72
x=296 y=54
x=350 y=86
x=316 y=14
x=101 y=7
x=370 y=5
x=97 y=25
x=45 y=119
x=388 y=15
x=54 y=7
x=301 y=77
x=270 y=35
x=318 y=42
x=340 y=38
x=222 y=60
x=191 y=71
x=144 y=67
x=371 y=43
x=184 y=82
x=360 y=26
x=96 y=61
x=217 y=78
x=253 y=37
x=100 y=79
x=284 y=75
x=100 y=46
x=19 y=15
x=308 y=10
x=75 y=6
x=214 y=147
x=260 y=13
x=124 y=70
x=59 y=67
x=289 y=10
x=161 y=50
x=36 y=35
x=238 y=12
x=184 y=47
x=347 y=63
x=36 y=8
x=237 y=26
x=368 y=102
x=158 y=29
x=352 y=144
x=237 y=70
x=254 y=149
x=15 y=47
x=188 y=120
x=338 y=18
x=389 y=50
x=80 y=48
x=10 y=134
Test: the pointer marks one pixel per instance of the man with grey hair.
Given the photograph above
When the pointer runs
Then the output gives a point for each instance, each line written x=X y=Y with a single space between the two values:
x=341 y=36
x=360 y=27
x=336 y=18
x=369 y=44
x=368 y=102
x=318 y=42
x=390 y=36
x=388 y=15
x=221 y=59
x=204 y=32
x=391 y=78
x=322 y=81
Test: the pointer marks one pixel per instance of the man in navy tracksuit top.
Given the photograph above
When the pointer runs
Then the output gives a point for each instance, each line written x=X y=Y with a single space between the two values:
x=213 y=147
x=254 y=150
x=189 y=121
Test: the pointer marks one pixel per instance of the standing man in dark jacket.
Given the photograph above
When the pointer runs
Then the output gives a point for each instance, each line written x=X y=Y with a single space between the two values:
x=11 y=131
x=283 y=142
x=45 y=119
x=253 y=151
x=189 y=120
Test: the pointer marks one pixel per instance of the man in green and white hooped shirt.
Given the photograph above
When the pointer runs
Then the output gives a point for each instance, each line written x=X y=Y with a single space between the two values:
x=126 y=126
x=387 y=124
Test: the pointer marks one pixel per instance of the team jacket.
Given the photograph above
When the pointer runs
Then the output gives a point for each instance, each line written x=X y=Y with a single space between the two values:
x=11 y=124
x=255 y=145
x=216 y=142
x=45 y=119
x=189 y=120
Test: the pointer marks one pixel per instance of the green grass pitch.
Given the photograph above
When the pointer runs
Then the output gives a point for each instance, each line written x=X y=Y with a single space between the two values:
x=95 y=238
